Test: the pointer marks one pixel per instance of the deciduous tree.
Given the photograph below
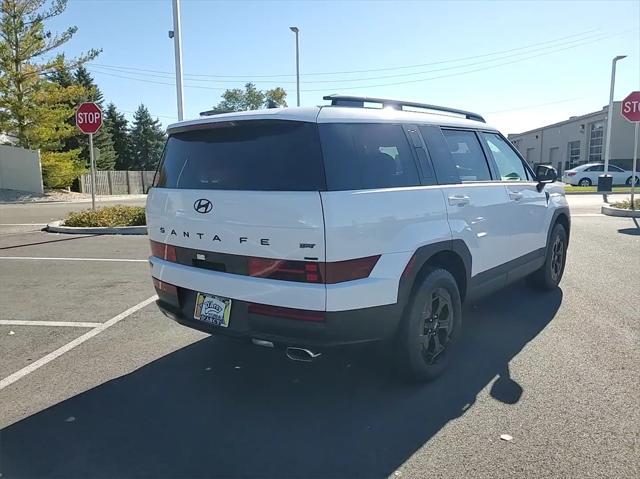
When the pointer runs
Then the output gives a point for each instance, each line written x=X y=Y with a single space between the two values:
x=250 y=98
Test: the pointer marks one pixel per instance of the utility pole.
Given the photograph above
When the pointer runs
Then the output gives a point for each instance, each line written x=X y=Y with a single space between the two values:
x=177 y=44
x=607 y=148
x=296 y=30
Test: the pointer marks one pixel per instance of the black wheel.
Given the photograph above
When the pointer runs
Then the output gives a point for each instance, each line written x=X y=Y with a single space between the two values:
x=548 y=277
x=431 y=327
x=584 y=182
x=637 y=182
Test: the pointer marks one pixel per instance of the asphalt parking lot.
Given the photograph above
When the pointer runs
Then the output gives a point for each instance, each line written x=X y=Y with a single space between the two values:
x=95 y=382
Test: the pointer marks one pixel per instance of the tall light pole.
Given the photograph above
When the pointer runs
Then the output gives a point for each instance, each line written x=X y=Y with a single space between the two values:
x=607 y=148
x=296 y=30
x=177 y=44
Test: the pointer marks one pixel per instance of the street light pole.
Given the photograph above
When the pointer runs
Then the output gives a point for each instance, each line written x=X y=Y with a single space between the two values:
x=607 y=148
x=177 y=43
x=296 y=30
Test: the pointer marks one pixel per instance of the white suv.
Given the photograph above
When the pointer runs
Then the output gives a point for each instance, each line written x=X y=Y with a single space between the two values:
x=308 y=228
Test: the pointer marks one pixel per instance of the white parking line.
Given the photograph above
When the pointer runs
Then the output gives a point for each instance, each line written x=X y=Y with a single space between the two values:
x=110 y=260
x=23 y=224
x=71 y=324
x=76 y=342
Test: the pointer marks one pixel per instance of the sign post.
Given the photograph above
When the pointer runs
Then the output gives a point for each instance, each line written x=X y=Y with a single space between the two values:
x=630 y=109
x=89 y=121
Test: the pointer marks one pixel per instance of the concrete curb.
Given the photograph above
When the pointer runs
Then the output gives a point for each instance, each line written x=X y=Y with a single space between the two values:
x=58 y=227
x=611 y=211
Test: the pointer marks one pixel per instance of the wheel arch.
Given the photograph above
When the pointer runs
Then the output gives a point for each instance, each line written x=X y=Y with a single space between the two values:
x=562 y=216
x=453 y=256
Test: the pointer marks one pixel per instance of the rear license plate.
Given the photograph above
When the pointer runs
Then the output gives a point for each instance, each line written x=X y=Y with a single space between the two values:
x=212 y=309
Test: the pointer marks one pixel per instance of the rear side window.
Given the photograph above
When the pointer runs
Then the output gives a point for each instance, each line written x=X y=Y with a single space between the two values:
x=360 y=156
x=467 y=155
x=247 y=155
x=595 y=168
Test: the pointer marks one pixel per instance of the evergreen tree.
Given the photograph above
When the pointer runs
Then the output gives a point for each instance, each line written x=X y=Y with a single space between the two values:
x=118 y=127
x=103 y=142
x=84 y=79
x=147 y=140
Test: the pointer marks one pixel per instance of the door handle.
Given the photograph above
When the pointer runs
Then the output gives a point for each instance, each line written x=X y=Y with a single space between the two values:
x=458 y=200
x=515 y=195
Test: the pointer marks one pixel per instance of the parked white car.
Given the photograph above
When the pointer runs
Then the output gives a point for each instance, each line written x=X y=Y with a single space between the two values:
x=587 y=175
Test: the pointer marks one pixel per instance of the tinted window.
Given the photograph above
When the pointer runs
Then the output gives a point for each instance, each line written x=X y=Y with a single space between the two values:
x=467 y=155
x=446 y=172
x=509 y=165
x=366 y=156
x=248 y=155
x=614 y=168
x=595 y=168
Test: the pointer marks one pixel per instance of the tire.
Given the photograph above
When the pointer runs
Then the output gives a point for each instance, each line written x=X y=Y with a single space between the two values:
x=628 y=182
x=584 y=182
x=548 y=277
x=423 y=330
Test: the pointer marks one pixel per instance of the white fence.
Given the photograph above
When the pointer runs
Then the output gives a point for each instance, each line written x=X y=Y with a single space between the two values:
x=118 y=182
x=20 y=169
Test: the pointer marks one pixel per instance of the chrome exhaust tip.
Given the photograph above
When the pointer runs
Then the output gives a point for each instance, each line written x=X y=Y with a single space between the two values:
x=301 y=354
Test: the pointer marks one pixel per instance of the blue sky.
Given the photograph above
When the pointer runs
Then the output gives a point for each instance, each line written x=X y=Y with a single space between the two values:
x=521 y=64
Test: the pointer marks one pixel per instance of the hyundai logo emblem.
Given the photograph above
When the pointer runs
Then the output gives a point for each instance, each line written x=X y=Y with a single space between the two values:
x=202 y=206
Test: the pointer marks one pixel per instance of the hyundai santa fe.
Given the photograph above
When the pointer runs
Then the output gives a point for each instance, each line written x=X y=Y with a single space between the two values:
x=366 y=220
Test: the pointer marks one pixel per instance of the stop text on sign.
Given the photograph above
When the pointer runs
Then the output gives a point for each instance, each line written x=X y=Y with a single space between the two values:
x=89 y=117
x=631 y=107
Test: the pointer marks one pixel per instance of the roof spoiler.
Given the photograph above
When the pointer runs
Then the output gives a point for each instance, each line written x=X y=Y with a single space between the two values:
x=359 y=102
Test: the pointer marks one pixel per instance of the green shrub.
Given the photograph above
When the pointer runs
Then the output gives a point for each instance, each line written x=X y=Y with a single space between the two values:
x=626 y=204
x=59 y=169
x=109 y=216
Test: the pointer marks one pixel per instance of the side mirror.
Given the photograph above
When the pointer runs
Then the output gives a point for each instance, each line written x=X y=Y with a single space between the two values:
x=545 y=174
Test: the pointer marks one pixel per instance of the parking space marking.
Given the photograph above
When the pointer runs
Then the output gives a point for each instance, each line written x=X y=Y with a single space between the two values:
x=108 y=260
x=61 y=324
x=76 y=342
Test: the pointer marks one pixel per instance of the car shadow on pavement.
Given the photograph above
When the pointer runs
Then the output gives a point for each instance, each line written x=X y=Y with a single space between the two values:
x=216 y=409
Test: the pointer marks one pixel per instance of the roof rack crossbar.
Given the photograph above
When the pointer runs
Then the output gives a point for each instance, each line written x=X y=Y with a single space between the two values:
x=359 y=101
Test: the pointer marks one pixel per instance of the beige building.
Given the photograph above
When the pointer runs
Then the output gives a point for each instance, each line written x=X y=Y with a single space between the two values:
x=578 y=140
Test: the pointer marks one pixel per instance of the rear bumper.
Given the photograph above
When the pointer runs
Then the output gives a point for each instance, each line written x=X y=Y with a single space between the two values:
x=339 y=328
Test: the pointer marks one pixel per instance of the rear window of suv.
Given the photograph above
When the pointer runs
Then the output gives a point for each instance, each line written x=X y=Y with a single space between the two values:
x=256 y=155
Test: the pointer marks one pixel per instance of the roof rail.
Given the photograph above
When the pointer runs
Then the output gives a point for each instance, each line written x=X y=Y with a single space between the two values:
x=359 y=101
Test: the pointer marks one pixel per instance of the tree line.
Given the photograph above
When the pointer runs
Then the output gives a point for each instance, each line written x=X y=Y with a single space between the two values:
x=40 y=89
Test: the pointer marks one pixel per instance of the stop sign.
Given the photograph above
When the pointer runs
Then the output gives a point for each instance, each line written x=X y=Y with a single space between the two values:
x=631 y=107
x=89 y=117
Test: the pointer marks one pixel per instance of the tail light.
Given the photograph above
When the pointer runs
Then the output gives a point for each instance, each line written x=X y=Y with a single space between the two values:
x=348 y=270
x=163 y=251
x=287 y=270
x=571 y=173
x=289 y=313
x=312 y=272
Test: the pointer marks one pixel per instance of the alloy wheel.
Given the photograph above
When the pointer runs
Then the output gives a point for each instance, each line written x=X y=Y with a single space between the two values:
x=557 y=258
x=437 y=325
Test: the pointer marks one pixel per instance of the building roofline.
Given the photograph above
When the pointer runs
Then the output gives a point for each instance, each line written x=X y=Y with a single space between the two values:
x=575 y=118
